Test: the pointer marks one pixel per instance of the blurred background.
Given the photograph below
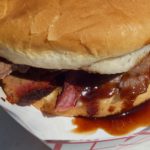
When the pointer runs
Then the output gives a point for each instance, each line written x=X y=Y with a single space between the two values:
x=14 y=137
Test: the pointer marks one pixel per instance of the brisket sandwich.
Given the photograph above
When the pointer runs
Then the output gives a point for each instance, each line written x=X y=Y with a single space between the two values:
x=75 y=57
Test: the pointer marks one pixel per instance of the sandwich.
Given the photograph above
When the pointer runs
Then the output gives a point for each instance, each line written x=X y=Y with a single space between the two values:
x=75 y=58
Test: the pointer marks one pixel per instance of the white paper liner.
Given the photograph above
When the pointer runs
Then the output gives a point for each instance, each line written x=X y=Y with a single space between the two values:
x=51 y=128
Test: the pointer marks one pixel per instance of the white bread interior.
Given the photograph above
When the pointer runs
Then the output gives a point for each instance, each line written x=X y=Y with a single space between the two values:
x=98 y=36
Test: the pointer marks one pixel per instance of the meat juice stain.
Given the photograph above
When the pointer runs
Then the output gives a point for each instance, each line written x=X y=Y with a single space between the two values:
x=118 y=124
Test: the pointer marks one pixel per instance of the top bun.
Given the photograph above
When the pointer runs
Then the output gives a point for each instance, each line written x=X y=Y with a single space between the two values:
x=74 y=34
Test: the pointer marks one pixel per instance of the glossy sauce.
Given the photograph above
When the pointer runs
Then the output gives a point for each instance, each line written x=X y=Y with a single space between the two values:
x=127 y=86
x=91 y=95
x=116 y=125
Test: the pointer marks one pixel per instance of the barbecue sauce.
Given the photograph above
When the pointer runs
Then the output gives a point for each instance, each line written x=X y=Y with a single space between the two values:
x=118 y=124
x=95 y=87
x=91 y=95
x=126 y=86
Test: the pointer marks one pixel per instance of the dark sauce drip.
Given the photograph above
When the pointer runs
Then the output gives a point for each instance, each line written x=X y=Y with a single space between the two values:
x=91 y=95
x=118 y=124
x=93 y=87
x=104 y=91
x=128 y=86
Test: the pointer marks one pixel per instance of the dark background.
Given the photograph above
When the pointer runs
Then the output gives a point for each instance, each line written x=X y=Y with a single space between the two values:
x=14 y=137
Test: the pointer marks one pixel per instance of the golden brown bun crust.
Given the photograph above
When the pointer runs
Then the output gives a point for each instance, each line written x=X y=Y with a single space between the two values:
x=89 y=30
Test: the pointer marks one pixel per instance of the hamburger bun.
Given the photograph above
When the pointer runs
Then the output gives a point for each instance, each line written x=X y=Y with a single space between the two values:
x=106 y=37
x=94 y=36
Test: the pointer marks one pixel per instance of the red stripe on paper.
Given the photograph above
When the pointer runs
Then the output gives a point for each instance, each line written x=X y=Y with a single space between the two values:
x=58 y=146
x=88 y=141
x=93 y=145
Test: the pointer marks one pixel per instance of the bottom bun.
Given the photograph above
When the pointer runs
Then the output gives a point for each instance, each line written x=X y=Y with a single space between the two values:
x=106 y=107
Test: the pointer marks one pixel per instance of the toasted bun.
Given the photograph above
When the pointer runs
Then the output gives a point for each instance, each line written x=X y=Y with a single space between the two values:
x=74 y=34
x=106 y=107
